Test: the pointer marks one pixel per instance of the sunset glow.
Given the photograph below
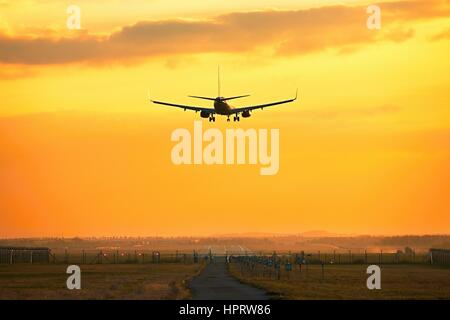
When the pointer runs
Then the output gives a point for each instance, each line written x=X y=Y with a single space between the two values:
x=365 y=150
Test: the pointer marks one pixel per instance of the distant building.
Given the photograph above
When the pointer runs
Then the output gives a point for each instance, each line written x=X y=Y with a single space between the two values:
x=12 y=255
x=440 y=256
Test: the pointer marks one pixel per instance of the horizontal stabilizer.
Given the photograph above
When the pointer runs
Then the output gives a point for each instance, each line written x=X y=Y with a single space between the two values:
x=237 y=97
x=204 y=98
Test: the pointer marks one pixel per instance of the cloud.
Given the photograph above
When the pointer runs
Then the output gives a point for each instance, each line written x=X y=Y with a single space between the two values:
x=10 y=72
x=444 y=35
x=342 y=28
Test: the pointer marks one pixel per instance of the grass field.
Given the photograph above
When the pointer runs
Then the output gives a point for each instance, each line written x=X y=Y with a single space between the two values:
x=349 y=282
x=108 y=281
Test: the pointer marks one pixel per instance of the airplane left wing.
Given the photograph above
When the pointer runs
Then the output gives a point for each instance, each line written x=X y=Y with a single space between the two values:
x=262 y=106
x=185 y=107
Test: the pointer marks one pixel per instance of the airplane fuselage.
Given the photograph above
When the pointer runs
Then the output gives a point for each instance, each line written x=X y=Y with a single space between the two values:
x=222 y=107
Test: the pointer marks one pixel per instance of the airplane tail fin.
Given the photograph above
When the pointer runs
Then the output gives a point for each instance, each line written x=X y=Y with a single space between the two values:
x=218 y=91
x=218 y=81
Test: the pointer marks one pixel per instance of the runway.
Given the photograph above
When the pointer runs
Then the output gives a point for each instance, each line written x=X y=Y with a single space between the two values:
x=223 y=250
x=215 y=283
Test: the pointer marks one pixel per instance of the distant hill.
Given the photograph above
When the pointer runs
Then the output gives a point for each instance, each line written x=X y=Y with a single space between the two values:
x=250 y=235
x=306 y=234
x=320 y=234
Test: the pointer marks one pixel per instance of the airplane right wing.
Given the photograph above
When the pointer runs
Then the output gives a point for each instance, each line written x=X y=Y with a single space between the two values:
x=262 y=106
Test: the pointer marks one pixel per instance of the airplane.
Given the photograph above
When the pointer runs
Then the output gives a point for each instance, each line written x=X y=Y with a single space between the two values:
x=222 y=107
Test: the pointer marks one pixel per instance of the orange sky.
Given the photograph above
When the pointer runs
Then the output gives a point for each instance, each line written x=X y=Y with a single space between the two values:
x=365 y=150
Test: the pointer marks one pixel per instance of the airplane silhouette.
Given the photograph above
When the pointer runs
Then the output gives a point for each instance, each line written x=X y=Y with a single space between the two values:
x=222 y=107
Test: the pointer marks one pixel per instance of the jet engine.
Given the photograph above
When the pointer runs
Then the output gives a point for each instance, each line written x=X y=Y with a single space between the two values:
x=246 y=114
x=204 y=114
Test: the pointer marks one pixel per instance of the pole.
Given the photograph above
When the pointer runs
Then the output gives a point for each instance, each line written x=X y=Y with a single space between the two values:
x=323 y=271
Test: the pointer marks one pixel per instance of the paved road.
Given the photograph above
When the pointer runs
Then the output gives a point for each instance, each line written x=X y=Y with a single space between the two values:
x=214 y=283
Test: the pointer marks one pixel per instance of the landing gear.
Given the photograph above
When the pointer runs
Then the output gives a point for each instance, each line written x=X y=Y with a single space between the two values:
x=236 y=118
x=212 y=119
x=228 y=119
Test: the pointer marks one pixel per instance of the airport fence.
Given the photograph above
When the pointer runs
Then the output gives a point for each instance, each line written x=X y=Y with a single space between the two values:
x=123 y=257
x=315 y=265
x=285 y=259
